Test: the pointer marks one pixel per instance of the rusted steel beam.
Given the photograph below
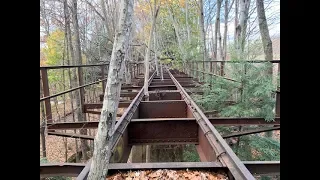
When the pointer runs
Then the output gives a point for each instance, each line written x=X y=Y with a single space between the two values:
x=263 y=167
x=214 y=121
x=164 y=165
x=253 y=131
x=222 y=150
x=61 y=169
x=183 y=83
x=122 y=94
x=164 y=95
x=73 y=125
x=70 y=90
x=162 y=109
x=99 y=105
x=71 y=135
x=243 y=121
x=74 y=169
x=163 y=132
x=72 y=66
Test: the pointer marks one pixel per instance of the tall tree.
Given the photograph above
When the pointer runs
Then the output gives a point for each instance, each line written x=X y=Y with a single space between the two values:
x=264 y=31
x=104 y=137
x=78 y=58
x=202 y=30
x=187 y=22
x=241 y=29
x=147 y=56
x=236 y=21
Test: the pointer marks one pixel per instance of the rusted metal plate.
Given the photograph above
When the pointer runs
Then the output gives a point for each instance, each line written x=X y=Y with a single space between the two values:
x=162 y=87
x=61 y=169
x=205 y=151
x=164 y=95
x=189 y=113
x=163 y=109
x=263 y=167
x=122 y=150
x=163 y=132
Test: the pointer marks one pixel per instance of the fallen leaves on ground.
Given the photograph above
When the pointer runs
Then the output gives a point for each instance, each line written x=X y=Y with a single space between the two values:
x=169 y=174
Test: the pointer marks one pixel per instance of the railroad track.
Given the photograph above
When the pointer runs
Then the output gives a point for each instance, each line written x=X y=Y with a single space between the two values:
x=169 y=117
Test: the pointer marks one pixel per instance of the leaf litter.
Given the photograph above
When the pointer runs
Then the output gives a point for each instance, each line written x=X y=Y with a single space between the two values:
x=162 y=174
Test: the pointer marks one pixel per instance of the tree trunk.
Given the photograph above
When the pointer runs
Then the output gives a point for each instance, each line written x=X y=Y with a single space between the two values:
x=78 y=58
x=155 y=50
x=147 y=56
x=241 y=29
x=104 y=136
x=43 y=124
x=264 y=32
x=217 y=29
x=161 y=71
x=187 y=23
x=202 y=31
x=70 y=50
x=103 y=6
x=176 y=30
x=225 y=34
x=236 y=21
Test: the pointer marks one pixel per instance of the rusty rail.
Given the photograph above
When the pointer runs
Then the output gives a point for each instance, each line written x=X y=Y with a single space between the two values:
x=223 y=152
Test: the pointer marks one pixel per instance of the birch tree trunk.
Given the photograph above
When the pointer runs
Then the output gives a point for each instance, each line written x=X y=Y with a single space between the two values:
x=236 y=21
x=155 y=50
x=187 y=23
x=217 y=28
x=202 y=31
x=225 y=34
x=104 y=136
x=264 y=32
x=147 y=56
x=103 y=6
x=78 y=58
x=241 y=29
x=176 y=30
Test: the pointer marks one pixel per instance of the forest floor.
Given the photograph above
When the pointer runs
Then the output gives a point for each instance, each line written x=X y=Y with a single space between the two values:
x=169 y=174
